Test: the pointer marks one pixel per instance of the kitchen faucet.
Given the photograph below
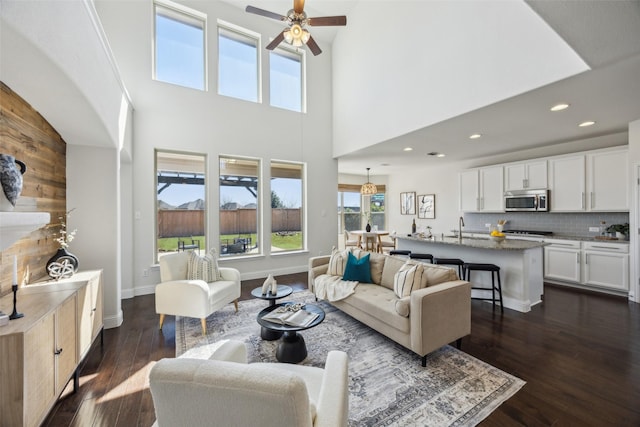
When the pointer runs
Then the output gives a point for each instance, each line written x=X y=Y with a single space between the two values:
x=460 y=225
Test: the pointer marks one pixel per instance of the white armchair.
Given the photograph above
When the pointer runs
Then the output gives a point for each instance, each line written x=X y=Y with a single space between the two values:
x=193 y=392
x=178 y=296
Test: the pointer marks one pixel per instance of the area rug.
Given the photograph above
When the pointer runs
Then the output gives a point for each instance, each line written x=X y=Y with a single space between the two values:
x=388 y=385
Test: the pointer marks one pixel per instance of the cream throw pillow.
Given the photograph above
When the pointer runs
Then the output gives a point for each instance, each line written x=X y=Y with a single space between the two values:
x=203 y=267
x=338 y=262
x=409 y=278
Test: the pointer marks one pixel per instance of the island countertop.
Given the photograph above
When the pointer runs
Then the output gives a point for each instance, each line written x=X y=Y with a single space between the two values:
x=478 y=242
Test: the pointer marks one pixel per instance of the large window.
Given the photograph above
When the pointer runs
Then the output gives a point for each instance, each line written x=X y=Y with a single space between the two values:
x=286 y=79
x=355 y=210
x=238 y=63
x=179 y=48
x=181 y=202
x=239 y=206
x=287 y=215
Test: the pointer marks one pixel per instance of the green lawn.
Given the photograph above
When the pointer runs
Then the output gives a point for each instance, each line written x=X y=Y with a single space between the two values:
x=282 y=241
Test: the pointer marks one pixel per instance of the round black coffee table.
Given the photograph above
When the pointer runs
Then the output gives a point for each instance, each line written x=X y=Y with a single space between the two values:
x=292 y=348
x=283 y=291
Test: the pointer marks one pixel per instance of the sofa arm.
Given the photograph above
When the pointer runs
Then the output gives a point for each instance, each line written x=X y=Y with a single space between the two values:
x=317 y=266
x=229 y=273
x=332 y=408
x=183 y=298
x=439 y=314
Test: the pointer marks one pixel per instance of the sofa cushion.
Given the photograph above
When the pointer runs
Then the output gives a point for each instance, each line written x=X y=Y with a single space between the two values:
x=409 y=278
x=357 y=269
x=376 y=261
x=436 y=274
x=391 y=266
x=203 y=267
x=378 y=302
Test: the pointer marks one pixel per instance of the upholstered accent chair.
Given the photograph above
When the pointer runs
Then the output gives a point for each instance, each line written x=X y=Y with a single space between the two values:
x=349 y=240
x=179 y=296
x=196 y=392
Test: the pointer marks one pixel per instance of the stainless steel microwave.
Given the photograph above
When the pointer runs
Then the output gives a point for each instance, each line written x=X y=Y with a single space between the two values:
x=526 y=201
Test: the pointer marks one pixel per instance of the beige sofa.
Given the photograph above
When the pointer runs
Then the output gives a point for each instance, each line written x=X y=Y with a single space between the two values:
x=424 y=321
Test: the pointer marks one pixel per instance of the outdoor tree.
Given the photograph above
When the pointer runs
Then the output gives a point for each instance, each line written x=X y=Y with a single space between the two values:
x=275 y=201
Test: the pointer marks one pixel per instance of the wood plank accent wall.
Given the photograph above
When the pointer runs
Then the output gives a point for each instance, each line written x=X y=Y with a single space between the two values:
x=25 y=134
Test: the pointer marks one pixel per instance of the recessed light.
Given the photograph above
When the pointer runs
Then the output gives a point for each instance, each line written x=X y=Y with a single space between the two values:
x=384 y=164
x=436 y=154
x=560 y=107
x=440 y=155
x=407 y=149
x=587 y=123
x=475 y=136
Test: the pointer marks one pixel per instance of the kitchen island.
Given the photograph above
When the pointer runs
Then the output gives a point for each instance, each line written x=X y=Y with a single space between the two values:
x=520 y=262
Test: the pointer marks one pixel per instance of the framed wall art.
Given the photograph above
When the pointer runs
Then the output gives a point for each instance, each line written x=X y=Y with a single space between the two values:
x=427 y=206
x=408 y=203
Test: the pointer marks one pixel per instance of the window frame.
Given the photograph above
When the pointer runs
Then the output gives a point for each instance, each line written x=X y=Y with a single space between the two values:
x=186 y=16
x=259 y=204
x=303 y=203
x=241 y=33
x=292 y=52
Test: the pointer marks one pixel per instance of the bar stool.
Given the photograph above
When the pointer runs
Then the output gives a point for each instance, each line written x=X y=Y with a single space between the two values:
x=451 y=261
x=495 y=271
x=400 y=252
x=422 y=257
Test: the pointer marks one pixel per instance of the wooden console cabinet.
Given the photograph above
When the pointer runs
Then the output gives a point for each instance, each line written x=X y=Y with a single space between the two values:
x=40 y=352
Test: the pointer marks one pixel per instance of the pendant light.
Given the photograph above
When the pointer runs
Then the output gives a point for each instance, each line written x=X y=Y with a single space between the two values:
x=368 y=188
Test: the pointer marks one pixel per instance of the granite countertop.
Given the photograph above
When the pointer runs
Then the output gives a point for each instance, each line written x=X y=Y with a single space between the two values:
x=479 y=243
x=558 y=236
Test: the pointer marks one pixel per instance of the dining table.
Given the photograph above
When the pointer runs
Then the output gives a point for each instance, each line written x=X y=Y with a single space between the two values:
x=371 y=239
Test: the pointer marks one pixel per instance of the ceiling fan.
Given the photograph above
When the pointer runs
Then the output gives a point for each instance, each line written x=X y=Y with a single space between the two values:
x=297 y=20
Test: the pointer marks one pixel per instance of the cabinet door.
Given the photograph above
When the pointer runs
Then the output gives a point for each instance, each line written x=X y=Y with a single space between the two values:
x=66 y=350
x=536 y=175
x=567 y=184
x=491 y=189
x=562 y=264
x=468 y=190
x=514 y=177
x=605 y=269
x=97 y=301
x=39 y=381
x=608 y=181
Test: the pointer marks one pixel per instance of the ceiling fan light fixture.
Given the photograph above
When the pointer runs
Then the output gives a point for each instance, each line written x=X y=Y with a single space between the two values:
x=368 y=188
x=296 y=35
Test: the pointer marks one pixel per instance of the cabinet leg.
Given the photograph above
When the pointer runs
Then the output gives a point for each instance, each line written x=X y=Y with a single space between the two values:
x=76 y=380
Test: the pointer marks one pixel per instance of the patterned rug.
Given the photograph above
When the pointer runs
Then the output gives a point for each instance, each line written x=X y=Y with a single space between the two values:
x=388 y=385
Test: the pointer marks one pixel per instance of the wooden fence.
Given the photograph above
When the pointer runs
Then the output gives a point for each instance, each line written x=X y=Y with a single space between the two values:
x=182 y=222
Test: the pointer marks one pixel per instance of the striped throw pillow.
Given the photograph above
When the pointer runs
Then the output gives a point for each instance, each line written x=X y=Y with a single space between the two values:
x=203 y=267
x=337 y=262
x=409 y=278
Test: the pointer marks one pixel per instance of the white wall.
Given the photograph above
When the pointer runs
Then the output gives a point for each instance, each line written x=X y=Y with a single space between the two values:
x=634 y=213
x=93 y=190
x=477 y=65
x=174 y=118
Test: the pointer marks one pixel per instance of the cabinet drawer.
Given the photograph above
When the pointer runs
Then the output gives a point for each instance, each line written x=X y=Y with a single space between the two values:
x=569 y=244
x=606 y=247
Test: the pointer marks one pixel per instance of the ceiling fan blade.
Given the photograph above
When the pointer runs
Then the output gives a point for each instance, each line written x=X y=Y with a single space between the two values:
x=326 y=21
x=298 y=6
x=313 y=46
x=276 y=41
x=266 y=13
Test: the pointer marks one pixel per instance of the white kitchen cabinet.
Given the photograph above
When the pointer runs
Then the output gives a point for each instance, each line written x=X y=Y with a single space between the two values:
x=527 y=175
x=606 y=265
x=567 y=184
x=592 y=265
x=608 y=181
x=562 y=260
x=481 y=190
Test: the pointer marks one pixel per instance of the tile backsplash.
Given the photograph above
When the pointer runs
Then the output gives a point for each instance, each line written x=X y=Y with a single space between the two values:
x=569 y=224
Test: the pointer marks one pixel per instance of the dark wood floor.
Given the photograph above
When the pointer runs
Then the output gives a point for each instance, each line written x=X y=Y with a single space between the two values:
x=578 y=352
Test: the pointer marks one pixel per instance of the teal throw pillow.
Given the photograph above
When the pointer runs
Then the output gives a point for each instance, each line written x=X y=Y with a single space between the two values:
x=358 y=269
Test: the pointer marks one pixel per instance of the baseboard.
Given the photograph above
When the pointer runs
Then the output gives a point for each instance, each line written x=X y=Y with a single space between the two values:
x=113 y=321
x=280 y=271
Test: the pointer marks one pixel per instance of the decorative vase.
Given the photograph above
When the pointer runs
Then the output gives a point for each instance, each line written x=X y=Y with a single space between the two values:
x=61 y=264
x=11 y=181
x=274 y=287
x=266 y=286
x=368 y=227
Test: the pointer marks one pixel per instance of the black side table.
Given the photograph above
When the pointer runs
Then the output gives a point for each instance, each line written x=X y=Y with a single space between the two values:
x=283 y=291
